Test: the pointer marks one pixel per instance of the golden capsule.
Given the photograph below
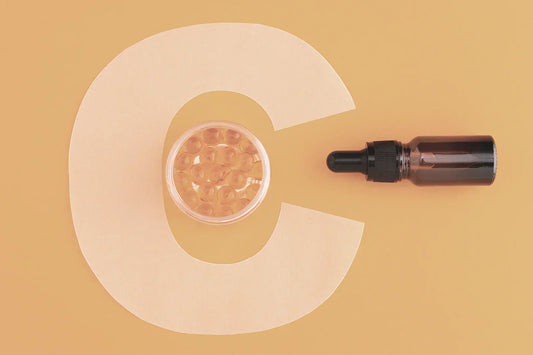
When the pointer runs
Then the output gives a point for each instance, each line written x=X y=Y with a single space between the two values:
x=212 y=136
x=182 y=181
x=199 y=173
x=206 y=209
x=226 y=195
x=183 y=161
x=223 y=211
x=232 y=137
x=207 y=192
x=193 y=145
x=251 y=191
x=226 y=156
x=240 y=204
x=244 y=161
x=236 y=179
x=247 y=146
x=257 y=170
x=208 y=155
x=190 y=198
x=217 y=173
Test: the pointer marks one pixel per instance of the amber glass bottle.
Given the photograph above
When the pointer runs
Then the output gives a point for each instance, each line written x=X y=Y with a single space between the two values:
x=456 y=160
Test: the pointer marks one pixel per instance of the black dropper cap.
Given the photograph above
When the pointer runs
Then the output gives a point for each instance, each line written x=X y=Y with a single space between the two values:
x=379 y=161
x=348 y=161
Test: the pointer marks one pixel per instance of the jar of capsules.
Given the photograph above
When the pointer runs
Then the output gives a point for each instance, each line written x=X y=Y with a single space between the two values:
x=217 y=172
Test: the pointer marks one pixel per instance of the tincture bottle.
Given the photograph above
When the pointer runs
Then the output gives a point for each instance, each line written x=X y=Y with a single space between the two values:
x=455 y=160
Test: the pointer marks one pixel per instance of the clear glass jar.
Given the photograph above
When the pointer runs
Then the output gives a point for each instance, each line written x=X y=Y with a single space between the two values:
x=216 y=167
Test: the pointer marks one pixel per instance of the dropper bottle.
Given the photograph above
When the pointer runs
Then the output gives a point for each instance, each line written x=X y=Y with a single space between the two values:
x=456 y=160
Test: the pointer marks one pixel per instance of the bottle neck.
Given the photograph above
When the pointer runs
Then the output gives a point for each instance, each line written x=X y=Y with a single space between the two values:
x=404 y=161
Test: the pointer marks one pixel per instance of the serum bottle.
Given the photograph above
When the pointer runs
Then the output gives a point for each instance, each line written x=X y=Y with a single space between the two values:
x=455 y=160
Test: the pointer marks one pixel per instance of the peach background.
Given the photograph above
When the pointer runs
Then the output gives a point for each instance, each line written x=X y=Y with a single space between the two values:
x=439 y=270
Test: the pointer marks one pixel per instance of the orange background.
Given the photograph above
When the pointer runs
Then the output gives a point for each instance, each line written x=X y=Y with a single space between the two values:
x=439 y=271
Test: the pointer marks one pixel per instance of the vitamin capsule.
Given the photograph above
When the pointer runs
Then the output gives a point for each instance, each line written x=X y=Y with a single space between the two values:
x=206 y=209
x=245 y=161
x=251 y=191
x=208 y=155
x=226 y=156
x=190 y=198
x=212 y=136
x=199 y=173
x=182 y=181
x=223 y=211
x=240 y=204
x=183 y=161
x=217 y=173
x=207 y=192
x=232 y=137
x=193 y=145
x=247 y=146
x=257 y=170
x=227 y=195
x=236 y=179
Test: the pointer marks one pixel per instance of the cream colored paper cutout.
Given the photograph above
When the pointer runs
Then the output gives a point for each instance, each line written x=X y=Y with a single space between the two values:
x=116 y=183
